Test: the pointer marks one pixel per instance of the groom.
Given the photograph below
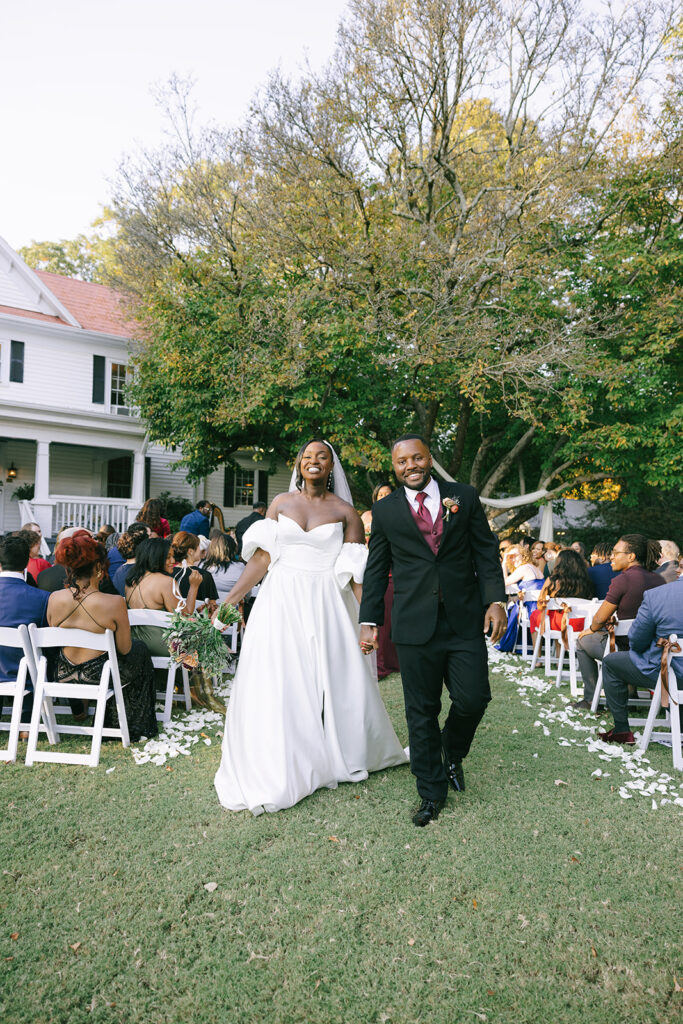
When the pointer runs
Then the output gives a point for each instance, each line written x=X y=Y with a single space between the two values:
x=448 y=591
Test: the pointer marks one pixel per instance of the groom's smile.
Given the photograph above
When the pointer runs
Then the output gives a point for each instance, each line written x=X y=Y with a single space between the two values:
x=412 y=463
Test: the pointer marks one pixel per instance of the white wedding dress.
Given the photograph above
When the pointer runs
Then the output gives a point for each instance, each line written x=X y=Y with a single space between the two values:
x=305 y=710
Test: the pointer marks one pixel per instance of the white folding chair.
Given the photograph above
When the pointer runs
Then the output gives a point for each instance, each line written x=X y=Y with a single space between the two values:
x=108 y=686
x=18 y=638
x=579 y=608
x=529 y=592
x=150 y=617
x=620 y=629
x=547 y=637
x=672 y=720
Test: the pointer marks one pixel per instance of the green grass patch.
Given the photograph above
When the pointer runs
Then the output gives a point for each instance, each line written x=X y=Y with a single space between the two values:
x=525 y=902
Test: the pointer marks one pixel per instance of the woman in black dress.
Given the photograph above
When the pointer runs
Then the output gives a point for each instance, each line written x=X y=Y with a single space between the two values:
x=81 y=605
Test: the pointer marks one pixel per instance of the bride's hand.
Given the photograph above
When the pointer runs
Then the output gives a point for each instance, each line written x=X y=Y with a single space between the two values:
x=368 y=639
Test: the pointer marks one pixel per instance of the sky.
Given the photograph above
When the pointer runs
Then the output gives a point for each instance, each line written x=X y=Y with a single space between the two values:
x=77 y=77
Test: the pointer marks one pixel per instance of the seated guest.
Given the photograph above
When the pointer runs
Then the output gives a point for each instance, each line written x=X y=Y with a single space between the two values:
x=127 y=545
x=54 y=578
x=36 y=564
x=522 y=569
x=634 y=559
x=581 y=548
x=106 y=530
x=150 y=513
x=668 y=561
x=660 y=615
x=151 y=585
x=197 y=522
x=81 y=605
x=222 y=562
x=114 y=556
x=550 y=552
x=187 y=554
x=569 y=578
x=600 y=570
x=503 y=547
x=538 y=555
x=20 y=604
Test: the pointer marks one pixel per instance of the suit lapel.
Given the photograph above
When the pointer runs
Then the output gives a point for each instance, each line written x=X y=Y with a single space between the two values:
x=447 y=491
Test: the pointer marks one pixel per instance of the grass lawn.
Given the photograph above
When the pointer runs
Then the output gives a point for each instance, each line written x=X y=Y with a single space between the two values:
x=528 y=901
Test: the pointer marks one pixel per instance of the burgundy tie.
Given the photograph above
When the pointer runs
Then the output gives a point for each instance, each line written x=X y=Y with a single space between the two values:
x=423 y=512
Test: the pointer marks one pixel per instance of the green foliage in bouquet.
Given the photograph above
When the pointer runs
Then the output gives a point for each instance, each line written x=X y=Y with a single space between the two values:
x=196 y=643
x=228 y=615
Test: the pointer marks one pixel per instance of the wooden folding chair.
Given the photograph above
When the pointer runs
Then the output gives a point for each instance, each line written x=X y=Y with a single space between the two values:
x=150 y=617
x=672 y=720
x=18 y=638
x=108 y=686
x=621 y=628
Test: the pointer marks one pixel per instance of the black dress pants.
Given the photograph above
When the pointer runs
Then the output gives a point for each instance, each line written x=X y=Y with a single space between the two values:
x=462 y=664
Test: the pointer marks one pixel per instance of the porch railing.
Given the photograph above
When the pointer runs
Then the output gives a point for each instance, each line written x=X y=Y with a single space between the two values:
x=91 y=513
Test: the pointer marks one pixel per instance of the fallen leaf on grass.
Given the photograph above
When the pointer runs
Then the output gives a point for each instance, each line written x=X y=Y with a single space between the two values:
x=333 y=839
x=574 y=860
x=474 y=904
x=75 y=946
x=594 y=951
x=560 y=782
x=490 y=992
x=9 y=958
x=211 y=886
x=522 y=918
x=411 y=942
x=14 y=936
x=677 y=987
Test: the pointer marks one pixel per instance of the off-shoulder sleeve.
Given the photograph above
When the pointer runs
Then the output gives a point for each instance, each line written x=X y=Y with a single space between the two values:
x=261 y=535
x=350 y=564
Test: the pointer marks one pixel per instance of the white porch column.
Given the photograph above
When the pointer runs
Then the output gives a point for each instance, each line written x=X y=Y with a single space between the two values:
x=138 y=488
x=42 y=506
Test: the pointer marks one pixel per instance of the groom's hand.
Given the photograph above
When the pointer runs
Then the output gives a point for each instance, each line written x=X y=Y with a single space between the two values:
x=368 y=639
x=496 y=619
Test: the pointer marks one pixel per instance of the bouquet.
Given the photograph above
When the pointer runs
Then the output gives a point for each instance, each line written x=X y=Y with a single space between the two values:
x=195 y=643
x=227 y=615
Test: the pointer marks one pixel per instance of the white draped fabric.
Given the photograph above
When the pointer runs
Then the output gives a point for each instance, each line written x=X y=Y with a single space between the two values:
x=305 y=710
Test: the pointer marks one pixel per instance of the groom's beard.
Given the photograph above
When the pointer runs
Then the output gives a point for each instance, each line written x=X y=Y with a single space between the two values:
x=413 y=485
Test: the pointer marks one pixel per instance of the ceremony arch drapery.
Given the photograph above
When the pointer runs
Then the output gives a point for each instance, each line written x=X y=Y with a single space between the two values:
x=546 y=531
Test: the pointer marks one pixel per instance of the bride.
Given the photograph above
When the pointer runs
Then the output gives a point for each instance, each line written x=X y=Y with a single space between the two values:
x=305 y=710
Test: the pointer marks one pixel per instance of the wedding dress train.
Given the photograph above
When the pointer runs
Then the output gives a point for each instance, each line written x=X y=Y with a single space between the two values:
x=305 y=710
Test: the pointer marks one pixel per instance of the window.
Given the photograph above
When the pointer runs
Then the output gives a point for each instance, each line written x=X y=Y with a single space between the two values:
x=244 y=486
x=16 y=362
x=117 y=398
x=119 y=477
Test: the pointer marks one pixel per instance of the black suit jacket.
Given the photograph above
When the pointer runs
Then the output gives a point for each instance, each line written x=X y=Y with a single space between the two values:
x=243 y=526
x=466 y=571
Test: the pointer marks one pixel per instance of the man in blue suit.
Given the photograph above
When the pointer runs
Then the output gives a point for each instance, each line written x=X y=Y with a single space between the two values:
x=19 y=605
x=197 y=522
x=660 y=615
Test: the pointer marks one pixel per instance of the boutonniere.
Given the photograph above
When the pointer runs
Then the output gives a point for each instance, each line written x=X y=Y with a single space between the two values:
x=451 y=506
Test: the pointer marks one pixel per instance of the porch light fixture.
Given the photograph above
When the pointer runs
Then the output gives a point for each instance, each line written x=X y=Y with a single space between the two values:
x=12 y=473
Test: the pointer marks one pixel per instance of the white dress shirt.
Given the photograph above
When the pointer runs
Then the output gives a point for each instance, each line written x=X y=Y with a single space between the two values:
x=7 y=574
x=432 y=501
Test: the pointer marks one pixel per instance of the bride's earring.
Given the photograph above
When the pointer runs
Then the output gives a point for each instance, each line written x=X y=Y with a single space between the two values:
x=330 y=482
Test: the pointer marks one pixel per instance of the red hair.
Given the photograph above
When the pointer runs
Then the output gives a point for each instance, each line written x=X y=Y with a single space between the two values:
x=80 y=553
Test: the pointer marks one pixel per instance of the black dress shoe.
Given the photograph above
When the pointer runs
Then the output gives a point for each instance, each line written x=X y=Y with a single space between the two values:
x=427 y=811
x=456 y=775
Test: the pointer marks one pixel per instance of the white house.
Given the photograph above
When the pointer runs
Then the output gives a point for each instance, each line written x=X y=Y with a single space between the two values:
x=64 y=424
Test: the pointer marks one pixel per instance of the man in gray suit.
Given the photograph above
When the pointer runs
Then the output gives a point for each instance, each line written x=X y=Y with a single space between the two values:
x=668 y=562
x=660 y=615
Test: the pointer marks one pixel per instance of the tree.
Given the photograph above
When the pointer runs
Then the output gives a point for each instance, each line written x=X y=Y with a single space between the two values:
x=391 y=245
x=86 y=257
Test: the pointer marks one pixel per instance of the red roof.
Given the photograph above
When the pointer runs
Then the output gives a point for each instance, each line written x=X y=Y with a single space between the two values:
x=96 y=306
x=31 y=314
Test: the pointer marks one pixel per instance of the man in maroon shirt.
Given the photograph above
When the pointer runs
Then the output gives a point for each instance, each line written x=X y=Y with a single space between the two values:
x=634 y=557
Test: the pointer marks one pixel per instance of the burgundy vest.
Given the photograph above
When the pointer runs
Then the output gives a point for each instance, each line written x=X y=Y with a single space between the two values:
x=433 y=536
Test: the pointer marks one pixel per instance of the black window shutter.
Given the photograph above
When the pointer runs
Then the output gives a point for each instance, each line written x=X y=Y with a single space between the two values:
x=263 y=485
x=148 y=475
x=229 y=487
x=16 y=362
x=98 y=372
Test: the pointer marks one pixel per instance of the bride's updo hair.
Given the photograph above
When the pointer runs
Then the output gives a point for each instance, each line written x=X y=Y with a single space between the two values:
x=81 y=554
x=299 y=480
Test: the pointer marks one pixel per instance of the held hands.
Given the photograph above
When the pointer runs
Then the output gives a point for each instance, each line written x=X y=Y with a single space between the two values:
x=496 y=619
x=368 y=639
